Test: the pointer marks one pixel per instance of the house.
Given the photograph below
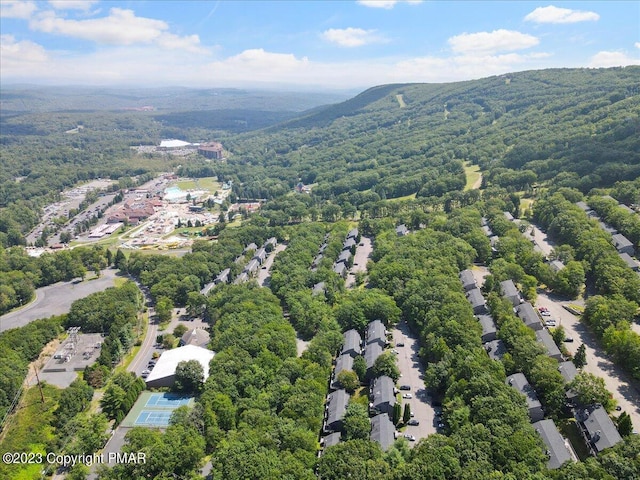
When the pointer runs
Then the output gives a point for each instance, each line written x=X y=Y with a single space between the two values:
x=556 y=265
x=243 y=277
x=382 y=431
x=252 y=266
x=371 y=353
x=484 y=221
x=557 y=449
x=468 y=280
x=344 y=257
x=322 y=248
x=348 y=244
x=316 y=261
x=510 y=292
x=521 y=384
x=607 y=228
x=626 y=208
x=528 y=315
x=223 y=276
x=352 y=343
x=508 y=216
x=550 y=346
x=330 y=440
x=251 y=246
x=196 y=336
x=583 y=206
x=343 y=362
x=340 y=269
x=260 y=255
x=353 y=234
x=568 y=371
x=273 y=241
x=495 y=349
x=383 y=396
x=623 y=244
x=487 y=231
x=318 y=289
x=631 y=262
x=489 y=330
x=335 y=409
x=597 y=428
x=477 y=301
x=376 y=333
x=402 y=230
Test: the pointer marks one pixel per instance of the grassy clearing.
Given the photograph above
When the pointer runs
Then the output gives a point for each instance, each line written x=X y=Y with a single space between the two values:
x=207 y=183
x=400 y=101
x=473 y=175
x=406 y=197
x=525 y=204
x=569 y=429
x=29 y=430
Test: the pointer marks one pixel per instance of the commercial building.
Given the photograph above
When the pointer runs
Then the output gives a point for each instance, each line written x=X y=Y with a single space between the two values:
x=163 y=374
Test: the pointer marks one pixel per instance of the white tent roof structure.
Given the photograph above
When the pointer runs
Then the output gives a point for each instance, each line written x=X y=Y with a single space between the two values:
x=168 y=361
x=172 y=143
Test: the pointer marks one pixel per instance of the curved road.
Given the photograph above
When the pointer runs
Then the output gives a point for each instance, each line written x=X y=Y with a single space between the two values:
x=56 y=299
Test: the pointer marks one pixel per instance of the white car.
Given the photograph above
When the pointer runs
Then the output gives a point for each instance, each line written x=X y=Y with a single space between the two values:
x=407 y=395
x=409 y=437
x=550 y=323
x=546 y=313
x=145 y=373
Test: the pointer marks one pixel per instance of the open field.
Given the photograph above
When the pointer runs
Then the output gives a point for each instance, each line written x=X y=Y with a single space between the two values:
x=473 y=176
x=207 y=183
x=401 y=101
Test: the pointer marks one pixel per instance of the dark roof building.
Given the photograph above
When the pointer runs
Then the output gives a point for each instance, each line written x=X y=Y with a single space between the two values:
x=243 y=277
x=556 y=265
x=597 y=428
x=568 y=370
x=402 y=230
x=383 y=396
x=477 y=301
x=260 y=255
x=344 y=256
x=352 y=344
x=382 y=431
x=508 y=216
x=607 y=228
x=557 y=449
x=348 y=243
x=510 y=292
x=330 y=440
x=252 y=266
x=376 y=333
x=353 y=234
x=631 y=262
x=371 y=353
x=495 y=349
x=468 y=280
x=340 y=269
x=251 y=246
x=343 y=362
x=273 y=241
x=623 y=244
x=223 y=276
x=318 y=289
x=550 y=346
x=528 y=315
x=521 y=384
x=489 y=330
x=336 y=408
x=487 y=230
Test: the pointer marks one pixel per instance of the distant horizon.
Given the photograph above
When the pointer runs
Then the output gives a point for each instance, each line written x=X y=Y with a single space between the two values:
x=305 y=45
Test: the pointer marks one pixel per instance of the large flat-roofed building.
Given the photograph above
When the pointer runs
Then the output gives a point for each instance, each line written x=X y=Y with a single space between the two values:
x=164 y=373
x=211 y=150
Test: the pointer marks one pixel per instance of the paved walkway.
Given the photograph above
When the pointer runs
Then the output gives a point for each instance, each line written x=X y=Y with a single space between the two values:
x=360 y=259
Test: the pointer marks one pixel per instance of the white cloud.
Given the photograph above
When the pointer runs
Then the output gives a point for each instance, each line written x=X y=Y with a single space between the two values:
x=17 y=9
x=605 y=59
x=120 y=27
x=553 y=14
x=20 y=55
x=386 y=4
x=83 y=5
x=637 y=44
x=351 y=37
x=492 y=42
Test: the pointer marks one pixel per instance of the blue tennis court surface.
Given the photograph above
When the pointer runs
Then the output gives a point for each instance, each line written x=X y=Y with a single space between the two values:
x=167 y=400
x=147 y=417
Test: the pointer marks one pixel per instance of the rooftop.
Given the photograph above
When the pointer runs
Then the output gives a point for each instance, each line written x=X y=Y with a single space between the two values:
x=168 y=361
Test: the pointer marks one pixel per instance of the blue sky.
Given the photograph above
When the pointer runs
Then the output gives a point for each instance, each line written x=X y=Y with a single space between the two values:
x=346 y=45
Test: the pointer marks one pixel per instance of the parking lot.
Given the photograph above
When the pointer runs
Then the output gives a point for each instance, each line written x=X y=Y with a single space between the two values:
x=412 y=375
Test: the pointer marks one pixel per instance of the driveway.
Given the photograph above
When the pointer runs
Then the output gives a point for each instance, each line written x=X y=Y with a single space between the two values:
x=360 y=259
x=264 y=272
x=56 y=299
x=412 y=374
x=625 y=391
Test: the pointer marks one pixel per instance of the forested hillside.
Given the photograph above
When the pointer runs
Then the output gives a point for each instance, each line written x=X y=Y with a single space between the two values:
x=573 y=127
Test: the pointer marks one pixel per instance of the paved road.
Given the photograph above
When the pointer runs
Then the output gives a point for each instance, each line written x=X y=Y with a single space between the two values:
x=56 y=299
x=541 y=239
x=264 y=272
x=624 y=390
x=412 y=372
x=360 y=259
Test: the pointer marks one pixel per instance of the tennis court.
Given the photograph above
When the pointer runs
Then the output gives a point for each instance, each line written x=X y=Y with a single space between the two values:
x=169 y=400
x=154 y=409
x=148 y=417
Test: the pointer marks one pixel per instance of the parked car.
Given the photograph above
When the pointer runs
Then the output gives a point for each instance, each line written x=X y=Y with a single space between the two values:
x=410 y=437
x=413 y=422
x=568 y=340
x=550 y=323
x=407 y=395
x=145 y=373
x=546 y=313
x=400 y=344
x=405 y=387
